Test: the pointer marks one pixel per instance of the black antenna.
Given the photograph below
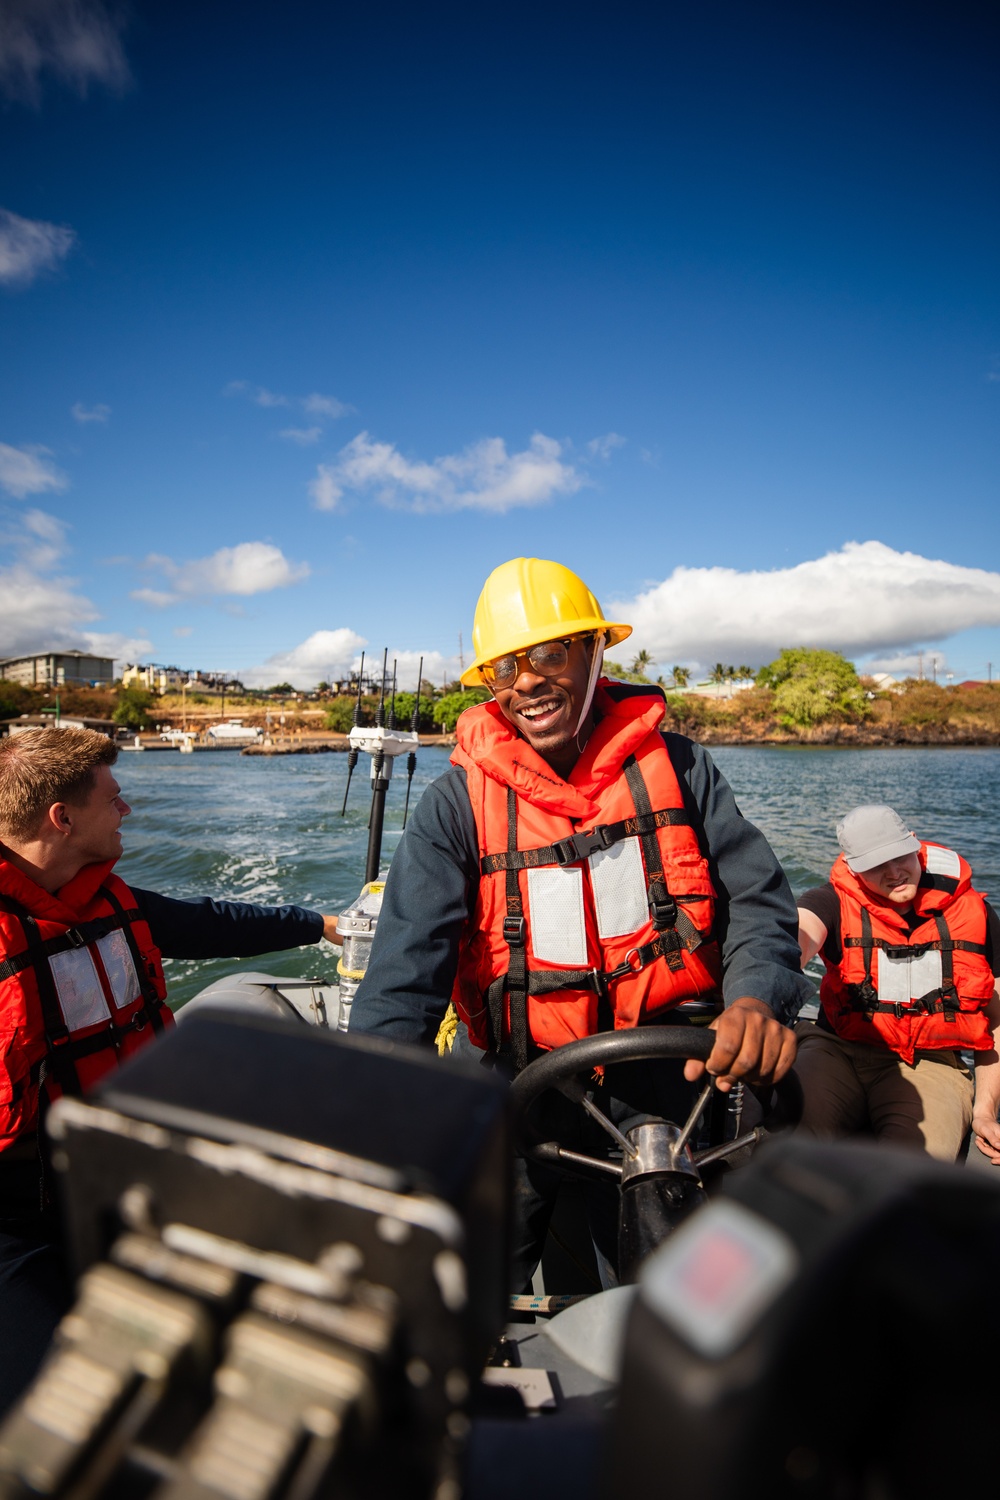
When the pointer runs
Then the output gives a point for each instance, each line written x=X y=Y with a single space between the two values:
x=352 y=755
x=411 y=759
x=414 y=722
x=392 y=705
x=380 y=711
x=361 y=680
x=380 y=785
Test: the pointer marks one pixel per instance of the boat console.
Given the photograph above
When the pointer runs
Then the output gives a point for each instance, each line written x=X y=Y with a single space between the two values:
x=291 y=1249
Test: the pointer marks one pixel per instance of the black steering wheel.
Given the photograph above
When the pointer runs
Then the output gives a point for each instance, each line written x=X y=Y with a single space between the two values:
x=561 y=1069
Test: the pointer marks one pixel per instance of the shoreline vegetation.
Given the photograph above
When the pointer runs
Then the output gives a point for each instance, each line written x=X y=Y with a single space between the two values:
x=803 y=698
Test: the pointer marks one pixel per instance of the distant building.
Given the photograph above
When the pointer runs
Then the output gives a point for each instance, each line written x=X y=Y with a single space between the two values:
x=215 y=682
x=57 y=669
x=154 y=678
x=49 y=721
x=885 y=682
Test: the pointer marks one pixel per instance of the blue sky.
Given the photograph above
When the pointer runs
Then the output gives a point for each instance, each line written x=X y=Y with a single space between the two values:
x=312 y=314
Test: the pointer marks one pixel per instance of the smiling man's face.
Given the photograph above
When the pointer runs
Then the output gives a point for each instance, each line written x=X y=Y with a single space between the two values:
x=545 y=710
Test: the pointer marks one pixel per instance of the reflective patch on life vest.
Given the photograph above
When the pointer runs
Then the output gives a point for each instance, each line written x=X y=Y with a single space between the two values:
x=118 y=966
x=81 y=996
x=555 y=909
x=941 y=861
x=619 y=883
x=901 y=980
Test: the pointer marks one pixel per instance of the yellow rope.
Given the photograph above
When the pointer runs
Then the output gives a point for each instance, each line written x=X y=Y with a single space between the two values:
x=349 y=973
x=445 y=1039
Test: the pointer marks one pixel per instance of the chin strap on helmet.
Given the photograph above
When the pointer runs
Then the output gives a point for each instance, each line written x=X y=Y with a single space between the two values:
x=595 y=672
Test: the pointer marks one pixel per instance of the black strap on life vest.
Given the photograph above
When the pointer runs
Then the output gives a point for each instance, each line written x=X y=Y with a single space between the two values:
x=516 y=937
x=864 y=996
x=579 y=846
x=675 y=926
x=60 y=1062
x=75 y=937
x=147 y=989
x=63 y=1051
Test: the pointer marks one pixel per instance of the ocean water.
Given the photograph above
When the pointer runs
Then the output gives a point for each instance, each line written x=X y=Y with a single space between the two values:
x=254 y=828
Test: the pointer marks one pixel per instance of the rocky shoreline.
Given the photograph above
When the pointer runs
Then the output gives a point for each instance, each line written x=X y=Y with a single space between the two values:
x=851 y=737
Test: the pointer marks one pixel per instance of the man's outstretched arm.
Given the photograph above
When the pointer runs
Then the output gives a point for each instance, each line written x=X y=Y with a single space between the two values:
x=203 y=928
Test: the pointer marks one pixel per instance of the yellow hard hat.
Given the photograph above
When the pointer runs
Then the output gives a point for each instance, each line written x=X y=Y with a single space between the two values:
x=528 y=600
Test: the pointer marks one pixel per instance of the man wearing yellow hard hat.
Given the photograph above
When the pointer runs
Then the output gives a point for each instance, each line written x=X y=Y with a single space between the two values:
x=577 y=870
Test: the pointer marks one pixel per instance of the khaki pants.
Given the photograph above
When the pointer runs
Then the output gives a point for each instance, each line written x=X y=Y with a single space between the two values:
x=848 y=1086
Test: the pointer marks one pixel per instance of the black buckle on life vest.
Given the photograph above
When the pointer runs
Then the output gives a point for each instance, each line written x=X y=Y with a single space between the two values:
x=514 y=931
x=75 y=938
x=663 y=913
x=898 y=955
x=580 y=845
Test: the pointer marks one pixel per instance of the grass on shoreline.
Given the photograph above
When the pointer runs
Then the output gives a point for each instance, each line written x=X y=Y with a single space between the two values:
x=921 y=713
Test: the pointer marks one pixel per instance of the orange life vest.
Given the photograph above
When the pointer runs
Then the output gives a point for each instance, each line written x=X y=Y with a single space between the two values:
x=81 y=988
x=595 y=904
x=912 y=991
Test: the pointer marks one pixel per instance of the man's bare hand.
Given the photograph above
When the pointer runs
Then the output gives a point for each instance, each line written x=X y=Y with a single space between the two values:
x=987 y=1134
x=330 y=931
x=750 y=1046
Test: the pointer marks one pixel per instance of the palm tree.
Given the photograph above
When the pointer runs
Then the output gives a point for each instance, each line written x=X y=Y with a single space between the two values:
x=641 y=663
x=681 y=676
x=717 y=675
x=745 y=674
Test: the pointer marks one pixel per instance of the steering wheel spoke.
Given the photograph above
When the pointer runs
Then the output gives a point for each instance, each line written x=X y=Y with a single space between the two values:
x=564 y=1068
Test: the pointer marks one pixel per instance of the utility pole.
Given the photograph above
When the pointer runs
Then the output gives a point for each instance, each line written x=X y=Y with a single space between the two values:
x=921 y=669
x=934 y=668
x=989 y=671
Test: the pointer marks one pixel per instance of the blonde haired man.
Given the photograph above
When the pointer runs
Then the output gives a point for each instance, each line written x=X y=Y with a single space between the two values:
x=81 y=987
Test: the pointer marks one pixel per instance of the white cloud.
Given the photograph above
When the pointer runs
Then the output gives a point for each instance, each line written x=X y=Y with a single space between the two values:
x=327 y=654
x=603 y=447
x=483 y=476
x=183 y=630
x=25 y=471
x=326 y=406
x=865 y=600
x=331 y=654
x=30 y=246
x=156 y=598
x=116 y=644
x=98 y=413
x=436 y=668
x=77 y=41
x=324 y=489
x=40 y=609
x=249 y=568
x=302 y=435
x=258 y=394
x=39 y=539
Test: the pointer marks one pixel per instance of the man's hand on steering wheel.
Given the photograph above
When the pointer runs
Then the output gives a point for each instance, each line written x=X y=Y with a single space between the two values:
x=750 y=1046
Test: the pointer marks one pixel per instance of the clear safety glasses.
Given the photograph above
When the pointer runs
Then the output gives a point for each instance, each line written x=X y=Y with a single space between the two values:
x=548 y=659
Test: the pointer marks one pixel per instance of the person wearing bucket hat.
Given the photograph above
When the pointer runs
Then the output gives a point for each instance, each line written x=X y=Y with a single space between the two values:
x=911 y=953
x=577 y=870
